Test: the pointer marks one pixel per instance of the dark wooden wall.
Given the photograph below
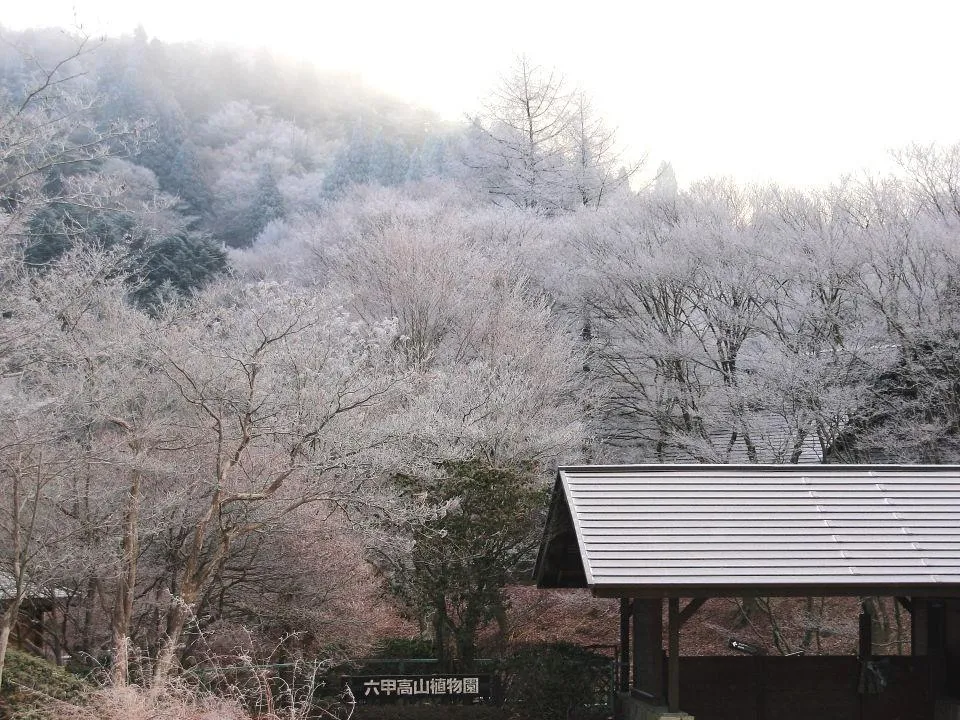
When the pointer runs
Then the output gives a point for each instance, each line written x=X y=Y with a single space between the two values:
x=804 y=688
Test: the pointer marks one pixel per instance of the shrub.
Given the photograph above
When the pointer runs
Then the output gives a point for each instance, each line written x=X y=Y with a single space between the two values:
x=405 y=648
x=32 y=687
x=132 y=702
x=555 y=680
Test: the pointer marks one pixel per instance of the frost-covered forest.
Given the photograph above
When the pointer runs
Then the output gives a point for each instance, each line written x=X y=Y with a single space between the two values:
x=288 y=363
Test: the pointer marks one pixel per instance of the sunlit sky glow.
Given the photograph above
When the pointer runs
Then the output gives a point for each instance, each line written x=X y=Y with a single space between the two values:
x=796 y=92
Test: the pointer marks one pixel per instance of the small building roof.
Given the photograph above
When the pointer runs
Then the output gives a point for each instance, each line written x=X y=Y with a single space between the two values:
x=8 y=590
x=740 y=530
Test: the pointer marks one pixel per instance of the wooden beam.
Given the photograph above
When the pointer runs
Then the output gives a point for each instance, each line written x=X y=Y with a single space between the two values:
x=626 y=608
x=919 y=631
x=648 y=648
x=865 y=634
x=673 y=674
x=690 y=609
x=936 y=626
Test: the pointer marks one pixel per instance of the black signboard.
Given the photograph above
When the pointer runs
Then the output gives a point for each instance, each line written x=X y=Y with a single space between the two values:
x=391 y=688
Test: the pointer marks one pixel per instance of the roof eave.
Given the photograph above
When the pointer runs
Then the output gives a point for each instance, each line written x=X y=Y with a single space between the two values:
x=942 y=590
x=538 y=567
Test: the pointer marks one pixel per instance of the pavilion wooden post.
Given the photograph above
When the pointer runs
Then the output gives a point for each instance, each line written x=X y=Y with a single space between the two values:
x=936 y=626
x=865 y=633
x=919 y=633
x=626 y=608
x=648 y=649
x=673 y=674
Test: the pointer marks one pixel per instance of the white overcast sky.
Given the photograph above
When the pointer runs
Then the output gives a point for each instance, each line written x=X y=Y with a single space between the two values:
x=798 y=92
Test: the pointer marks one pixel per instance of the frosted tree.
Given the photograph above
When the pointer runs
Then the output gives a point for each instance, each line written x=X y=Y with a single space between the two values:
x=46 y=136
x=67 y=337
x=596 y=167
x=521 y=137
x=35 y=546
x=420 y=272
x=540 y=145
x=494 y=395
x=46 y=132
x=497 y=398
x=282 y=403
x=728 y=323
x=908 y=279
x=642 y=300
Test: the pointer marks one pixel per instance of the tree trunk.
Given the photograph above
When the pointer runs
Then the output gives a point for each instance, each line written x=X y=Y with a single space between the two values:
x=176 y=621
x=440 y=623
x=7 y=620
x=123 y=599
x=196 y=571
x=181 y=608
x=466 y=644
x=10 y=613
x=89 y=602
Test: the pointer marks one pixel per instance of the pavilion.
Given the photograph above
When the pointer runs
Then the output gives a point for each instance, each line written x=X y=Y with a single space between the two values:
x=650 y=534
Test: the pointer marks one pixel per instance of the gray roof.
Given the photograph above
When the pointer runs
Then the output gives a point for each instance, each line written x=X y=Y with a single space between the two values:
x=8 y=589
x=712 y=530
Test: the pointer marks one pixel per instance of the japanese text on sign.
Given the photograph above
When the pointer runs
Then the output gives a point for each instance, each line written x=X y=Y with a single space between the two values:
x=392 y=688
x=423 y=686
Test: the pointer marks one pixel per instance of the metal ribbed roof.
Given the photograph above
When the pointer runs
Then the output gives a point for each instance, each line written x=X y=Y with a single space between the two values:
x=705 y=530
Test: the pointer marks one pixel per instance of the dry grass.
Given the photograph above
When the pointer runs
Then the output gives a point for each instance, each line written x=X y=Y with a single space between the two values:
x=136 y=703
x=175 y=701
